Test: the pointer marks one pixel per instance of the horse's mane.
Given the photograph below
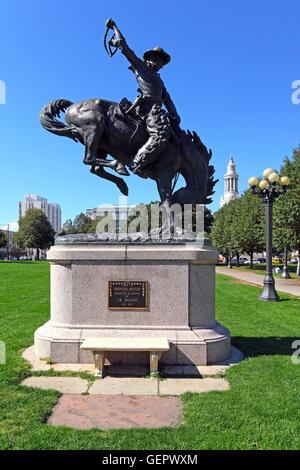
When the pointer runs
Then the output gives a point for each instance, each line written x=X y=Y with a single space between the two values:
x=207 y=155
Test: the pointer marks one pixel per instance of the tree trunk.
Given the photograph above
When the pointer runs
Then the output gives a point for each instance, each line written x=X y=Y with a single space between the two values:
x=298 y=265
x=251 y=260
x=229 y=265
x=37 y=254
x=237 y=260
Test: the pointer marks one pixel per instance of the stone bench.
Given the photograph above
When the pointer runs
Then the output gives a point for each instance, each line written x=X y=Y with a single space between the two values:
x=100 y=346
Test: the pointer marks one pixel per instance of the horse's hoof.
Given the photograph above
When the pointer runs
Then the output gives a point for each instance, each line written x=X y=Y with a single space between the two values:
x=122 y=171
x=94 y=169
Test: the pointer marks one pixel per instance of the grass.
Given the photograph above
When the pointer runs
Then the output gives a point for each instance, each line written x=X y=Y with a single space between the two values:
x=261 y=269
x=260 y=411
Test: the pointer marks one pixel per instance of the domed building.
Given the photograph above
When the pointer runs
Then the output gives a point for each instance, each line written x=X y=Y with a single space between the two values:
x=231 y=183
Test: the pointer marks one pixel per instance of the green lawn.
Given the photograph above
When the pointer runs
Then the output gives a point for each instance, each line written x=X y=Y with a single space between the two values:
x=260 y=411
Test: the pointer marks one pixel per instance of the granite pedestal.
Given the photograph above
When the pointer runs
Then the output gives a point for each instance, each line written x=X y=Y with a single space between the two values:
x=181 y=301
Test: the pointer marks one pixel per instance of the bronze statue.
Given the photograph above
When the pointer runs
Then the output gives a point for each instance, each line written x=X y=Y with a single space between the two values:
x=142 y=136
x=152 y=96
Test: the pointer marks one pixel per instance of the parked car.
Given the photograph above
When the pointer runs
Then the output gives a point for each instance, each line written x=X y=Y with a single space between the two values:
x=260 y=260
x=293 y=261
x=278 y=261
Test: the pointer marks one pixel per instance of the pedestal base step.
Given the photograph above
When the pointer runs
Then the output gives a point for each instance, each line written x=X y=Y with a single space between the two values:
x=197 y=346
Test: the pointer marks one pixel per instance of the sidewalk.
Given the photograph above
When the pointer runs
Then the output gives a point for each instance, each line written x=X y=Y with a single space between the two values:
x=282 y=285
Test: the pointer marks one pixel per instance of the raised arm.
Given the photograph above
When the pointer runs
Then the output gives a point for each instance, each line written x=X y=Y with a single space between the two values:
x=119 y=41
x=170 y=106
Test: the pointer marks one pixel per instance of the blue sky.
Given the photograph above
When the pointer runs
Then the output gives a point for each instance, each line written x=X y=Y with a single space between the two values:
x=231 y=74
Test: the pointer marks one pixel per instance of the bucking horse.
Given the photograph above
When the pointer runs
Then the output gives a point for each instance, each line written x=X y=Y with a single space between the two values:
x=112 y=138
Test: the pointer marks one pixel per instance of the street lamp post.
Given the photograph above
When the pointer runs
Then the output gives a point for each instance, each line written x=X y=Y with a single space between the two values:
x=269 y=189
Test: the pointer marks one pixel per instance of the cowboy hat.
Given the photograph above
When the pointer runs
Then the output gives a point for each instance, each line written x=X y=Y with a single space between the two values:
x=157 y=52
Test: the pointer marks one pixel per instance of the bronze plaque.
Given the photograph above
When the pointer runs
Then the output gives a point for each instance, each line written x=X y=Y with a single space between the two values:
x=128 y=295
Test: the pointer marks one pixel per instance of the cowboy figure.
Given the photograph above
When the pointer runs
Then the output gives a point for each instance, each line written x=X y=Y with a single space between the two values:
x=152 y=96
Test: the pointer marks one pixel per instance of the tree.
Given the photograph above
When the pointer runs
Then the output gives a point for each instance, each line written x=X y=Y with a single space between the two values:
x=287 y=208
x=225 y=235
x=145 y=217
x=84 y=224
x=251 y=225
x=81 y=224
x=208 y=220
x=239 y=227
x=35 y=231
x=231 y=232
x=91 y=226
x=68 y=228
x=3 y=239
x=218 y=232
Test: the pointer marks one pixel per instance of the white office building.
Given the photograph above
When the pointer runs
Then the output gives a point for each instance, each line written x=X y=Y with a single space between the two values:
x=118 y=213
x=51 y=210
x=231 y=183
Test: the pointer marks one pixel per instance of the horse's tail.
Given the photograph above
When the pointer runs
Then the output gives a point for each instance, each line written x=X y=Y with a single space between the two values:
x=48 y=119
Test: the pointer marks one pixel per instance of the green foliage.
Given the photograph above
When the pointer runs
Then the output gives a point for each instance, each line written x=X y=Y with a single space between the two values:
x=291 y=168
x=35 y=231
x=145 y=219
x=287 y=208
x=208 y=220
x=3 y=239
x=217 y=232
x=81 y=224
x=251 y=224
x=287 y=220
x=138 y=218
x=68 y=227
x=239 y=226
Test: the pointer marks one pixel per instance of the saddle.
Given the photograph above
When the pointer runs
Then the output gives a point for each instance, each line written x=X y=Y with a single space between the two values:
x=124 y=112
x=121 y=112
